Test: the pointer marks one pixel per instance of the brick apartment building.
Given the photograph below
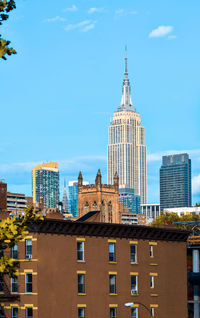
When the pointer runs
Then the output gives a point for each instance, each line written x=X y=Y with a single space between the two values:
x=3 y=195
x=87 y=269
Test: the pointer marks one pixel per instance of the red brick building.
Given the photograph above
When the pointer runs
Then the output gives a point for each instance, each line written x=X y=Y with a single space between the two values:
x=3 y=196
x=86 y=270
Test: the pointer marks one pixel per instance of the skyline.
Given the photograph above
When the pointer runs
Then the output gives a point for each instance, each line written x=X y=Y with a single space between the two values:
x=60 y=96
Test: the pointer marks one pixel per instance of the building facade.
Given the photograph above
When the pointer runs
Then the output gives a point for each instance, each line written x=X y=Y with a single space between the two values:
x=126 y=147
x=3 y=195
x=16 y=202
x=93 y=269
x=175 y=181
x=194 y=210
x=73 y=197
x=45 y=179
x=151 y=211
x=99 y=197
x=65 y=201
x=130 y=200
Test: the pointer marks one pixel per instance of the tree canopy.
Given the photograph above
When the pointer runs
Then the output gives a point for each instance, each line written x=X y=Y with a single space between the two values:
x=5 y=8
x=12 y=230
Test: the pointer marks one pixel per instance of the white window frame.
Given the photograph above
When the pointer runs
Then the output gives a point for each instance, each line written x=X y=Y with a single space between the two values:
x=112 y=255
x=152 y=312
x=26 y=282
x=136 y=310
x=12 y=312
x=27 y=254
x=81 y=309
x=82 y=284
x=151 y=250
x=115 y=287
x=81 y=243
x=115 y=312
x=134 y=291
x=135 y=259
x=14 y=281
x=152 y=281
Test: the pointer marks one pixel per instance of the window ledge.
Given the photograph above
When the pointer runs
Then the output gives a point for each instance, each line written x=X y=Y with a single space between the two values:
x=81 y=294
x=154 y=295
x=153 y=264
x=134 y=294
x=134 y=263
x=112 y=262
x=113 y=294
x=79 y=261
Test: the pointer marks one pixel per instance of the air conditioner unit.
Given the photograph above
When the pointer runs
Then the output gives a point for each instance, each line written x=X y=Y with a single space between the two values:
x=133 y=291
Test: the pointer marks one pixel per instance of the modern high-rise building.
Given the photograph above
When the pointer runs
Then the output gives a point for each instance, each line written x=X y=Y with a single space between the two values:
x=130 y=200
x=175 y=181
x=46 y=184
x=126 y=147
x=73 y=197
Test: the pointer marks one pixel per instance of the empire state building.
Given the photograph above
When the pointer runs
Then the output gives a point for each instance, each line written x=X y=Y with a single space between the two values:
x=126 y=147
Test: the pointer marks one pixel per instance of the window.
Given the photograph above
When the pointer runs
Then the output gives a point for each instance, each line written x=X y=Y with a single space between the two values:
x=134 y=312
x=14 y=251
x=81 y=283
x=28 y=248
x=81 y=312
x=80 y=251
x=151 y=250
x=14 y=312
x=112 y=282
x=133 y=249
x=29 y=282
x=134 y=284
x=14 y=284
x=152 y=281
x=152 y=312
x=2 y=313
x=29 y=312
x=113 y=312
x=112 y=256
x=1 y=284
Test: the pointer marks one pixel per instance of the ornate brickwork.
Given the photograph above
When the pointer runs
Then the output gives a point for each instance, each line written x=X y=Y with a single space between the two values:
x=99 y=197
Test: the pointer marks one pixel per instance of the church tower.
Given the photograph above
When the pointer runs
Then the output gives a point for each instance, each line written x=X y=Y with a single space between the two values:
x=126 y=147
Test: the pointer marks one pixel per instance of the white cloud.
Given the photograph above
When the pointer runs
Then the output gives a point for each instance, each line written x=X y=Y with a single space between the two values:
x=83 y=26
x=93 y=10
x=57 y=18
x=72 y=9
x=124 y=12
x=161 y=31
x=172 y=37
x=196 y=184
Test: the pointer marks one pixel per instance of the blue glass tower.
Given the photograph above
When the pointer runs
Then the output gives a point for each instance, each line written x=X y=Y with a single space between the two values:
x=130 y=200
x=73 y=198
x=175 y=181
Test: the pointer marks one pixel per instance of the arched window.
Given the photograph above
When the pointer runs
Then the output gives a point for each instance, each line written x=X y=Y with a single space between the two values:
x=110 y=212
x=102 y=211
x=94 y=206
x=86 y=207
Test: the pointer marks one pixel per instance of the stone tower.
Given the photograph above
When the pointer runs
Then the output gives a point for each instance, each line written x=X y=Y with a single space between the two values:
x=99 y=197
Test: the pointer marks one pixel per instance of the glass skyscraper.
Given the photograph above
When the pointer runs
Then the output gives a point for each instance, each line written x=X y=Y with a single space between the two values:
x=126 y=147
x=175 y=181
x=73 y=196
x=130 y=200
x=45 y=178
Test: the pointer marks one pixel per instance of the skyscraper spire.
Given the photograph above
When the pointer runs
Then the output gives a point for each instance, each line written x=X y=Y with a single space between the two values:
x=126 y=102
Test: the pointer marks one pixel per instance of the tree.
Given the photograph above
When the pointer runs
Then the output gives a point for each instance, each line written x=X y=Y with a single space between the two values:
x=5 y=7
x=197 y=204
x=12 y=230
x=165 y=219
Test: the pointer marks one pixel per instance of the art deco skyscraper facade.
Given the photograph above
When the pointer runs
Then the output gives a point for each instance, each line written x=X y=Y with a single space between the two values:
x=45 y=178
x=126 y=148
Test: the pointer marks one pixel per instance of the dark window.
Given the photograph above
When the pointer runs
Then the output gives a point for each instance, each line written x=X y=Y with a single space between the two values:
x=14 y=251
x=112 y=256
x=113 y=312
x=134 y=313
x=29 y=312
x=14 y=312
x=151 y=250
x=134 y=284
x=28 y=248
x=29 y=283
x=14 y=284
x=112 y=284
x=1 y=283
x=80 y=251
x=2 y=313
x=81 y=312
x=81 y=283
x=133 y=253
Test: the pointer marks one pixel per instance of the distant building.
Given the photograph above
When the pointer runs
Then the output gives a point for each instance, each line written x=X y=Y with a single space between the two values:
x=3 y=195
x=73 y=197
x=175 y=181
x=126 y=147
x=151 y=211
x=46 y=184
x=130 y=200
x=194 y=210
x=16 y=202
x=65 y=201
x=99 y=197
x=132 y=218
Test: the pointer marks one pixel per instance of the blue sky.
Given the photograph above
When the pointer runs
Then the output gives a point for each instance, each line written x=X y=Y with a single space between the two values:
x=59 y=92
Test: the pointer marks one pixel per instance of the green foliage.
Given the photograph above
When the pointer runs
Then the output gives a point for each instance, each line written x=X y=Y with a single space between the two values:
x=5 y=8
x=197 y=204
x=12 y=230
